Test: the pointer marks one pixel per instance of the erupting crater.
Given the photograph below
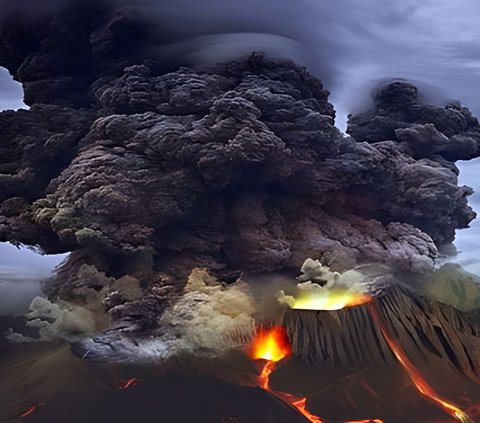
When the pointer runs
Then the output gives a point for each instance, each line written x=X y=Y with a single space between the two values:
x=392 y=327
x=335 y=299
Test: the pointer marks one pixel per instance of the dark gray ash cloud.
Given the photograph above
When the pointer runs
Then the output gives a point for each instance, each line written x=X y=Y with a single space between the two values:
x=350 y=44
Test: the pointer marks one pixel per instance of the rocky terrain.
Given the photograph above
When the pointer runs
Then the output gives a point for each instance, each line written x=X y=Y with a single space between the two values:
x=146 y=170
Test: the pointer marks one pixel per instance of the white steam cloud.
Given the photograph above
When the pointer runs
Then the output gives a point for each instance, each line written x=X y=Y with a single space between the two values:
x=322 y=289
x=206 y=321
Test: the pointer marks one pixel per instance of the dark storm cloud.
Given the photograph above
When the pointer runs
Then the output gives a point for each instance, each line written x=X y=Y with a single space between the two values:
x=349 y=44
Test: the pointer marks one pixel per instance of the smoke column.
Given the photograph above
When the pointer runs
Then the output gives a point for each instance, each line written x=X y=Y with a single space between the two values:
x=350 y=45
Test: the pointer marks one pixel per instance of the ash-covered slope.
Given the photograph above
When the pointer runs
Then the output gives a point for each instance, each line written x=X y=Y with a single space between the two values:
x=234 y=168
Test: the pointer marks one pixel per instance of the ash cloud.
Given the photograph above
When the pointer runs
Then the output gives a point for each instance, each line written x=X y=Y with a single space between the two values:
x=350 y=45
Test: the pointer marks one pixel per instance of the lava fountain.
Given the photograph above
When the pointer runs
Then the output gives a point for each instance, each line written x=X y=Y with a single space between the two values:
x=271 y=345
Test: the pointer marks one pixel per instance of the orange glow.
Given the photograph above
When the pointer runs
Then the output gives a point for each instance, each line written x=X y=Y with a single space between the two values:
x=128 y=383
x=420 y=383
x=31 y=410
x=328 y=299
x=365 y=421
x=300 y=405
x=263 y=379
x=271 y=344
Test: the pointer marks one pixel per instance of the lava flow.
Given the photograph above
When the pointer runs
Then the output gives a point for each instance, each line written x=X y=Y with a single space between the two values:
x=126 y=384
x=420 y=383
x=31 y=410
x=273 y=345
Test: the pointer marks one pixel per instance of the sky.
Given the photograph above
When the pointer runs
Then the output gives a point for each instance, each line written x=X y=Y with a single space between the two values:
x=11 y=93
x=350 y=44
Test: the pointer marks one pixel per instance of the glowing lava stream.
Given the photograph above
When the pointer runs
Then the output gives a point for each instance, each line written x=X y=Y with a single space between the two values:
x=420 y=383
x=273 y=345
x=126 y=384
x=31 y=410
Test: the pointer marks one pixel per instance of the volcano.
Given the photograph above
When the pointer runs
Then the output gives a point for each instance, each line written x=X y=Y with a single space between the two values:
x=429 y=340
x=148 y=171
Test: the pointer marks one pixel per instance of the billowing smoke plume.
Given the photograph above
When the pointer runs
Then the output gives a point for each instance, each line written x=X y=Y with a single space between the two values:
x=211 y=317
x=351 y=45
x=206 y=320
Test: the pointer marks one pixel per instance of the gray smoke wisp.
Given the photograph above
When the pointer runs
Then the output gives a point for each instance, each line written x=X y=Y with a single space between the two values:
x=55 y=321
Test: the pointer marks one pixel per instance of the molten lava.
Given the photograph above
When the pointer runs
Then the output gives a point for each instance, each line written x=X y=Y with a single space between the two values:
x=420 y=383
x=365 y=421
x=128 y=383
x=31 y=410
x=301 y=406
x=329 y=299
x=273 y=345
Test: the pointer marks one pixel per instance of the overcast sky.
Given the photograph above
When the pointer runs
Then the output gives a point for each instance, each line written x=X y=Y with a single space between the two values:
x=11 y=93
